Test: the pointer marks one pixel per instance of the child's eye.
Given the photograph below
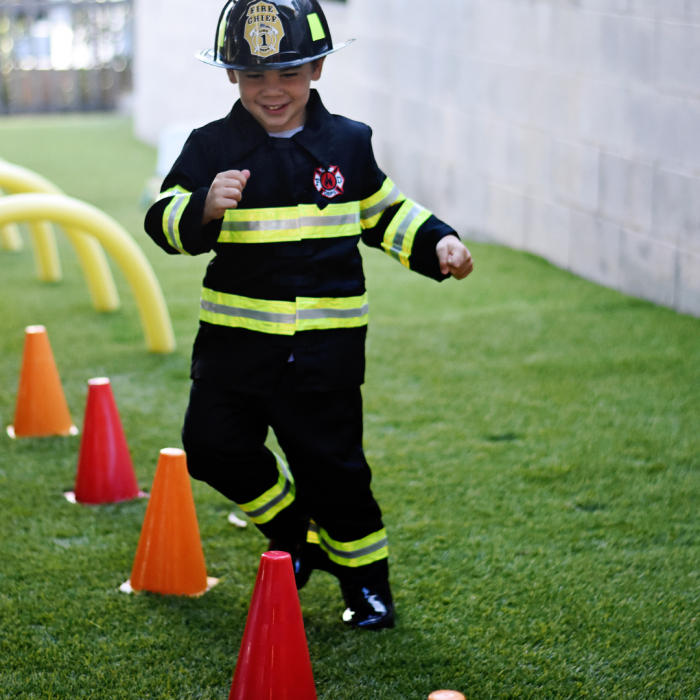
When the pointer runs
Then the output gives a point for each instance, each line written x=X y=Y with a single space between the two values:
x=289 y=75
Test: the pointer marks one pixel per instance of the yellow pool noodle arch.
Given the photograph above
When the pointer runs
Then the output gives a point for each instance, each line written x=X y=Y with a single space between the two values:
x=73 y=214
x=100 y=282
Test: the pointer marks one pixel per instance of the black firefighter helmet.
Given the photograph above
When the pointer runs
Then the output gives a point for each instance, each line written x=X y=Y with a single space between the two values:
x=254 y=35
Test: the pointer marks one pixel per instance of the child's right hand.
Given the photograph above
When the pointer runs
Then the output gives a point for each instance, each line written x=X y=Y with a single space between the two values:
x=225 y=193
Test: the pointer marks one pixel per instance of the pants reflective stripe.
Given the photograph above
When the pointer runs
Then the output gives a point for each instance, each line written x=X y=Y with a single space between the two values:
x=399 y=237
x=274 y=500
x=283 y=317
x=372 y=548
x=171 y=221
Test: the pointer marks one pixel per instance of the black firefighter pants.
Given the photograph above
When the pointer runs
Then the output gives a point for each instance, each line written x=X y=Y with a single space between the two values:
x=321 y=436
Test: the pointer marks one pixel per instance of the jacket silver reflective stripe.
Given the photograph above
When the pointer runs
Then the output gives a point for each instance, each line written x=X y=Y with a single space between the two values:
x=283 y=317
x=290 y=224
x=281 y=224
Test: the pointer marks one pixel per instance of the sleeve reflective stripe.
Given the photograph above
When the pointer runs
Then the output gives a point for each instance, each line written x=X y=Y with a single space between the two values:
x=171 y=221
x=172 y=192
x=372 y=548
x=399 y=237
x=372 y=208
x=283 y=317
x=290 y=223
x=274 y=500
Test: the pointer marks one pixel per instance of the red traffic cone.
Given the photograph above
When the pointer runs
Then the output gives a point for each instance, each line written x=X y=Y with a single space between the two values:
x=41 y=404
x=169 y=558
x=274 y=659
x=105 y=470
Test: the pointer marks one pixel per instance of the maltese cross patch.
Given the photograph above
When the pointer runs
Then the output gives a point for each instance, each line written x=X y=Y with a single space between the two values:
x=329 y=182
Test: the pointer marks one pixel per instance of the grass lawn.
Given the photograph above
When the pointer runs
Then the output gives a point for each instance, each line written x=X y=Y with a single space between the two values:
x=535 y=441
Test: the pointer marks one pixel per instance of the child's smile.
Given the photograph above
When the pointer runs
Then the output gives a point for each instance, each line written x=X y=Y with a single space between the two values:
x=277 y=98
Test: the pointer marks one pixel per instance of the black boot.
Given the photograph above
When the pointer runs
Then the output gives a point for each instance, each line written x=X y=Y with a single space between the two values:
x=370 y=607
x=301 y=561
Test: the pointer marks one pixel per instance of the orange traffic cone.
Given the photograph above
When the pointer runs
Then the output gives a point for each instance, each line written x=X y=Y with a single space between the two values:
x=41 y=404
x=105 y=470
x=274 y=659
x=169 y=558
x=446 y=695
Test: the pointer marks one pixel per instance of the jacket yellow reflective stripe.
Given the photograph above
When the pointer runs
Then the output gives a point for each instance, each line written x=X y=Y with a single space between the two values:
x=372 y=208
x=369 y=549
x=283 y=317
x=172 y=192
x=172 y=216
x=277 y=225
x=274 y=500
x=399 y=236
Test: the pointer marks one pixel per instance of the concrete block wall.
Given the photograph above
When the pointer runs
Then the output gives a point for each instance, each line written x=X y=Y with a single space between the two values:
x=569 y=128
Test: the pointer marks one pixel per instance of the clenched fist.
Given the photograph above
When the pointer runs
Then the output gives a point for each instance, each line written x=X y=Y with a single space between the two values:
x=454 y=257
x=225 y=193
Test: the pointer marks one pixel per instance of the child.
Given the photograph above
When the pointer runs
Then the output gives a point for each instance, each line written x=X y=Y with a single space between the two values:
x=283 y=191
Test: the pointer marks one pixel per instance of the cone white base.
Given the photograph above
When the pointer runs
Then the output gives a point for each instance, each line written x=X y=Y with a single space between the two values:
x=234 y=520
x=211 y=582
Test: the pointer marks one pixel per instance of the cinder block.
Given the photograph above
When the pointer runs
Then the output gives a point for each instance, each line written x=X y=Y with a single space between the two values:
x=676 y=210
x=554 y=104
x=468 y=212
x=627 y=48
x=605 y=6
x=491 y=149
x=674 y=10
x=602 y=116
x=507 y=92
x=494 y=29
x=548 y=231
x=506 y=215
x=575 y=175
x=679 y=47
x=626 y=192
x=536 y=159
x=594 y=251
x=688 y=290
x=648 y=268
x=473 y=81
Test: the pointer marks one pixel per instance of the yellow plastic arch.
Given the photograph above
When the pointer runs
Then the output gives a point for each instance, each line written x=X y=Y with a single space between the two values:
x=9 y=237
x=93 y=262
x=72 y=213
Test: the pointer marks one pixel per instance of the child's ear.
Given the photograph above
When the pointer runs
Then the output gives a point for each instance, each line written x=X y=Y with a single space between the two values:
x=232 y=76
x=317 y=68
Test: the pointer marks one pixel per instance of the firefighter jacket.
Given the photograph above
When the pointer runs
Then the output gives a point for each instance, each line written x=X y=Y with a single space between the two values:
x=286 y=277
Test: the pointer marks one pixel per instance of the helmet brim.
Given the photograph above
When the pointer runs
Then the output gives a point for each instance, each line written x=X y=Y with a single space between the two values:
x=208 y=56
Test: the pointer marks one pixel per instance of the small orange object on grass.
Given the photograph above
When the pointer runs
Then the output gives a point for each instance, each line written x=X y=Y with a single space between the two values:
x=41 y=409
x=169 y=558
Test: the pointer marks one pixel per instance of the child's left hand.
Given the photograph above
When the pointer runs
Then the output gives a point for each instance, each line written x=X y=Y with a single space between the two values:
x=454 y=257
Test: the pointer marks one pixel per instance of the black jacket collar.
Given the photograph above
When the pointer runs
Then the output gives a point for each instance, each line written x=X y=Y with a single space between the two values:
x=317 y=136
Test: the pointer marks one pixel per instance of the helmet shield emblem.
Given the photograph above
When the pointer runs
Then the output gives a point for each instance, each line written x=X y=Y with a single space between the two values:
x=263 y=29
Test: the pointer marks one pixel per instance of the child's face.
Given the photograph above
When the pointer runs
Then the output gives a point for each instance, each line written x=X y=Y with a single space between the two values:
x=277 y=98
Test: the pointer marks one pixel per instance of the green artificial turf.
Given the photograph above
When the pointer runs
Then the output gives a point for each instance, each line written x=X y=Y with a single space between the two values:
x=535 y=441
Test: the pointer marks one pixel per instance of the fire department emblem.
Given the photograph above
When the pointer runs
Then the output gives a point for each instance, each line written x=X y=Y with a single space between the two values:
x=263 y=30
x=329 y=182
